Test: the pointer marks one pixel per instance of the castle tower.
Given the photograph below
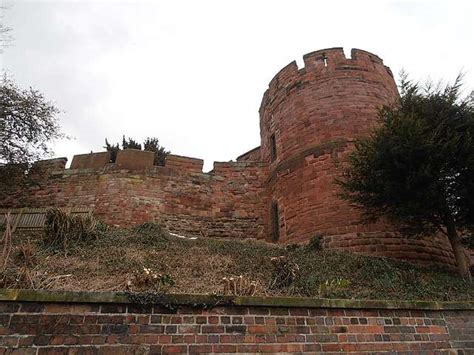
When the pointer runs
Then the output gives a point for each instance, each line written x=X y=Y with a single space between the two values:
x=309 y=119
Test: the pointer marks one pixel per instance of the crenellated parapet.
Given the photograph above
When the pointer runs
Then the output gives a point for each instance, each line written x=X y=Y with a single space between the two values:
x=331 y=97
x=322 y=64
x=138 y=161
x=229 y=201
x=335 y=59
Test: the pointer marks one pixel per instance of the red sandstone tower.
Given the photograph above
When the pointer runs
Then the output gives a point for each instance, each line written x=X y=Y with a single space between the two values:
x=309 y=119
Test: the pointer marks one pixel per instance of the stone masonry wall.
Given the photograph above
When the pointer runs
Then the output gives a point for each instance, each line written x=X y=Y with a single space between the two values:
x=228 y=202
x=54 y=327
x=309 y=119
x=312 y=208
x=251 y=155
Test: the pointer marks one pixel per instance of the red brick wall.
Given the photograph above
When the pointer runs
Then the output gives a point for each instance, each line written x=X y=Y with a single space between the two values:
x=45 y=328
x=314 y=114
x=229 y=202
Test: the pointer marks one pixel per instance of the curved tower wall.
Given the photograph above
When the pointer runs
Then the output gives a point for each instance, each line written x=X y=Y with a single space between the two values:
x=309 y=119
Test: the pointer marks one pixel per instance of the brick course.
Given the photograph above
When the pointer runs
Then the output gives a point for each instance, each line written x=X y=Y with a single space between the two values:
x=102 y=328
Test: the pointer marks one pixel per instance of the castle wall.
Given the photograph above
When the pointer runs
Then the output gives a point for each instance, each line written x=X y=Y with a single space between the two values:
x=282 y=191
x=230 y=202
x=309 y=119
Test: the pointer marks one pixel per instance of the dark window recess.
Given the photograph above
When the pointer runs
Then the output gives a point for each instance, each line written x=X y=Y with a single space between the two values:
x=275 y=222
x=273 y=147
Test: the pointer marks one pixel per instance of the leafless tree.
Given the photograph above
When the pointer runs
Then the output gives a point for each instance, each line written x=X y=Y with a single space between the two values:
x=5 y=31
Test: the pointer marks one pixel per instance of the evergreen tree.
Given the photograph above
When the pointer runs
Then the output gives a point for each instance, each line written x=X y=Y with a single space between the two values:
x=130 y=144
x=152 y=145
x=417 y=168
x=113 y=149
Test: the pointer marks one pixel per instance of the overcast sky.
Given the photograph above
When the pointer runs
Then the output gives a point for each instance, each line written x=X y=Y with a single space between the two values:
x=192 y=73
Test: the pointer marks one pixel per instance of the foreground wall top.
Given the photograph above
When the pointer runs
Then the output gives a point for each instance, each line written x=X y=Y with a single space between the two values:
x=48 y=296
x=217 y=324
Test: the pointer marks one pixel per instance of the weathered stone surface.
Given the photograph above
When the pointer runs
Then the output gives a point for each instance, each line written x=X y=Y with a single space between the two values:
x=134 y=159
x=230 y=202
x=91 y=161
x=184 y=163
x=251 y=155
x=49 y=166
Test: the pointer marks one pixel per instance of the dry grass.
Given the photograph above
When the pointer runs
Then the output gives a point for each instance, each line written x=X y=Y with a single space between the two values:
x=63 y=229
x=6 y=241
x=117 y=256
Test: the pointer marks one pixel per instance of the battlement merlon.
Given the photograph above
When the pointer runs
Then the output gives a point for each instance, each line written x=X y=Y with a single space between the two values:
x=323 y=62
x=186 y=163
x=55 y=164
x=91 y=160
x=251 y=155
x=335 y=57
x=135 y=161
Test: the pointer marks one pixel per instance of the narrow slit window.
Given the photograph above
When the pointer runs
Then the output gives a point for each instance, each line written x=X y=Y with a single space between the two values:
x=325 y=61
x=273 y=147
x=275 y=222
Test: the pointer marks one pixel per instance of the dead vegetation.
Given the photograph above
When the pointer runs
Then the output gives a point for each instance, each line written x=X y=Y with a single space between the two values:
x=148 y=259
x=6 y=241
x=285 y=273
x=148 y=280
x=62 y=229
x=240 y=286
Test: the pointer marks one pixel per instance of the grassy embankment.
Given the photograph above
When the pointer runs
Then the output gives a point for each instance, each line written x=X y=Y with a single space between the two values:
x=116 y=256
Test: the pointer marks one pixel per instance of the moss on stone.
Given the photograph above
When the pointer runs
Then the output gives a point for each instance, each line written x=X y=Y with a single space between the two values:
x=209 y=301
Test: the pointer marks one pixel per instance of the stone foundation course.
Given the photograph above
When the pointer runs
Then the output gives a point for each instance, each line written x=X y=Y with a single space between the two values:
x=46 y=322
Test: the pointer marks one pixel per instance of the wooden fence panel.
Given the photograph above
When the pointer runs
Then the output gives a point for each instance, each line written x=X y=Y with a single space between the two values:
x=34 y=218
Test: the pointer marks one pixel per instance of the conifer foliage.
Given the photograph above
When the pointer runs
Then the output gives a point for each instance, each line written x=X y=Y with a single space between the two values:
x=417 y=168
x=150 y=144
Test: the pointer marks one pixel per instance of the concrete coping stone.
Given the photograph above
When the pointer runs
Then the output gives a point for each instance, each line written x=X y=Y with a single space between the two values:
x=49 y=296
